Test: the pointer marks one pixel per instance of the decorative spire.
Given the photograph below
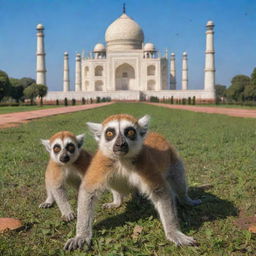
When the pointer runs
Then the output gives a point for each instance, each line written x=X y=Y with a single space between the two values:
x=124 y=10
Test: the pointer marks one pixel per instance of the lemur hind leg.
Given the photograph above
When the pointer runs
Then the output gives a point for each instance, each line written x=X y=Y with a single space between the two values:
x=164 y=202
x=117 y=200
x=178 y=183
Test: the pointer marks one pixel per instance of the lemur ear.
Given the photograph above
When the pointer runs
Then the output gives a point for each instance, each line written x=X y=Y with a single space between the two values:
x=80 y=140
x=96 y=129
x=47 y=145
x=143 y=123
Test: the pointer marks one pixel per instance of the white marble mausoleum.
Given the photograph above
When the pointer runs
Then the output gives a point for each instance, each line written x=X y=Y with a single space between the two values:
x=127 y=68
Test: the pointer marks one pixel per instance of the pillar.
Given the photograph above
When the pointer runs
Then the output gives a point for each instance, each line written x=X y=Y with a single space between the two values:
x=66 y=82
x=40 y=56
x=184 y=83
x=172 y=72
x=78 y=73
x=209 y=70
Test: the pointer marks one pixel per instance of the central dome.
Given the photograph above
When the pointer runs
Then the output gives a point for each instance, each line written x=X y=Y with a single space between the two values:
x=124 y=34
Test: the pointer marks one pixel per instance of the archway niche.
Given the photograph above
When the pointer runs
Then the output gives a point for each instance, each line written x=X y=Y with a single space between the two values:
x=98 y=85
x=151 y=85
x=125 y=77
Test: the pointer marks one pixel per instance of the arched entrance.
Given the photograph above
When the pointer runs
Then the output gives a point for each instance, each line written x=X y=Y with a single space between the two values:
x=125 y=77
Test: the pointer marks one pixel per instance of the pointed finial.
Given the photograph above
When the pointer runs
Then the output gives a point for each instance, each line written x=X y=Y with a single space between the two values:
x=124 y=10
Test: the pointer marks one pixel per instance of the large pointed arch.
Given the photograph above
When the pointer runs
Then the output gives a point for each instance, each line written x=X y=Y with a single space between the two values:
x=124 y=77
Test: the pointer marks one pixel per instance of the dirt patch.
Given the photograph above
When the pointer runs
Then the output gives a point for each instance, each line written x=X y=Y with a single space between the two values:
x=15 y=119
x=237 y=112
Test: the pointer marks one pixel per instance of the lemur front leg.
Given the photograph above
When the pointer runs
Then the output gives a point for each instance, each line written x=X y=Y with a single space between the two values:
x=117 y=200
x=49 y=200
x=85 y=212
x=164 y=202
x=60 y=197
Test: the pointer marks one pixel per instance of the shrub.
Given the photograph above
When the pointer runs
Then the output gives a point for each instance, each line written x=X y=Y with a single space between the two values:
x=154 y=99
x=184 y=101
x=91 y=100
x=65 y=102
x=73 y=102
x=194 y=100
x=98 y=99
x=83 y=101
x=172 y=100
x=57 y=102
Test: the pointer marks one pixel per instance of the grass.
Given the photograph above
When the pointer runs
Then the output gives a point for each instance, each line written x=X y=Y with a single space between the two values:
x=227 y=106
x=12 y=109
x=217 y=150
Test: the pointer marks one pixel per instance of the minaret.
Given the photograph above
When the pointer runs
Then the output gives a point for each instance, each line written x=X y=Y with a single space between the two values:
x=40 y=56
x=172 y=72
x=209 y=70
x=78 y=73
x=66 y=84
x=184 y=85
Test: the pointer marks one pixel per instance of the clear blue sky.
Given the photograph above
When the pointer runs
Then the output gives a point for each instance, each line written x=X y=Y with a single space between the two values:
x=178 y=25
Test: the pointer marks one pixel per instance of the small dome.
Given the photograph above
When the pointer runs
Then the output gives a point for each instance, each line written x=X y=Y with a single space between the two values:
x=210 y=23
x=66 y=53
x=172 y=54
x=185 y=54
x=99 y=48
x=124 y=34
x=149 y=47
x=40 y=26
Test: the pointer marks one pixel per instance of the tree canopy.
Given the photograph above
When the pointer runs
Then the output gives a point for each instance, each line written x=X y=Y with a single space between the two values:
x=31 y=92
x=16 y=90
x=42 y=91
x=27 y=81
x=238 y=85
x=4 y=84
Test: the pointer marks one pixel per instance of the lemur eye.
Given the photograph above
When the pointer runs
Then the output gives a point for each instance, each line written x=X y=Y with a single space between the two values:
x=71 y=147
x=56 y=148
x=130 y=132
x=110 y=134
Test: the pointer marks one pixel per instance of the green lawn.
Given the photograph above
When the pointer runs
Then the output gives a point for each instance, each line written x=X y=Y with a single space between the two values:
x=12 y=109
x=218 y=150
x=227 y=106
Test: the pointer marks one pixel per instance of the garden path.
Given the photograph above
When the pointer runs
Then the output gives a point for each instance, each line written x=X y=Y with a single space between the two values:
x=14 y=119
x=238 y=112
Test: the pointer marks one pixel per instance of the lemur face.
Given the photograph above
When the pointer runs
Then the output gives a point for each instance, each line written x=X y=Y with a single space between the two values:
x=120 y=136
x=64 y=147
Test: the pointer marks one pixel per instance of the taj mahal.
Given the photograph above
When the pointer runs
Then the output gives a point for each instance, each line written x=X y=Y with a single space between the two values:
x=127 y=68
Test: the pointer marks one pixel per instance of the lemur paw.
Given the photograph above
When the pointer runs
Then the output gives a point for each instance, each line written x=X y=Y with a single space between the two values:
x=69 y=217
x=45 y=205
x=76 y=243
x=110 y=205
x=181 y=239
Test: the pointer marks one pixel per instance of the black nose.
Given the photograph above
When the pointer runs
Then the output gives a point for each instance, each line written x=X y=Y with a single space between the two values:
x=120 y=145
x=64 y=158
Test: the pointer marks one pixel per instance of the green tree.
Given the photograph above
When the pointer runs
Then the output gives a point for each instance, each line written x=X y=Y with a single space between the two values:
x=220 y=90
x=253 y=77
x=237 y=87
x=31 y=92
x=250 y=91
x=4 y=84
x=16 y=89
x=42 y=91
x=27 y=81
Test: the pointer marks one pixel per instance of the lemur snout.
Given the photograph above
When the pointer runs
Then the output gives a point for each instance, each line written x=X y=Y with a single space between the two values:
x=64 y=158
x=120 y=145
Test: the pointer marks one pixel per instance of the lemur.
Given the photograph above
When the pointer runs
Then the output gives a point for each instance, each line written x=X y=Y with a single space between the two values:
x=128 y=157
x=67 y=165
